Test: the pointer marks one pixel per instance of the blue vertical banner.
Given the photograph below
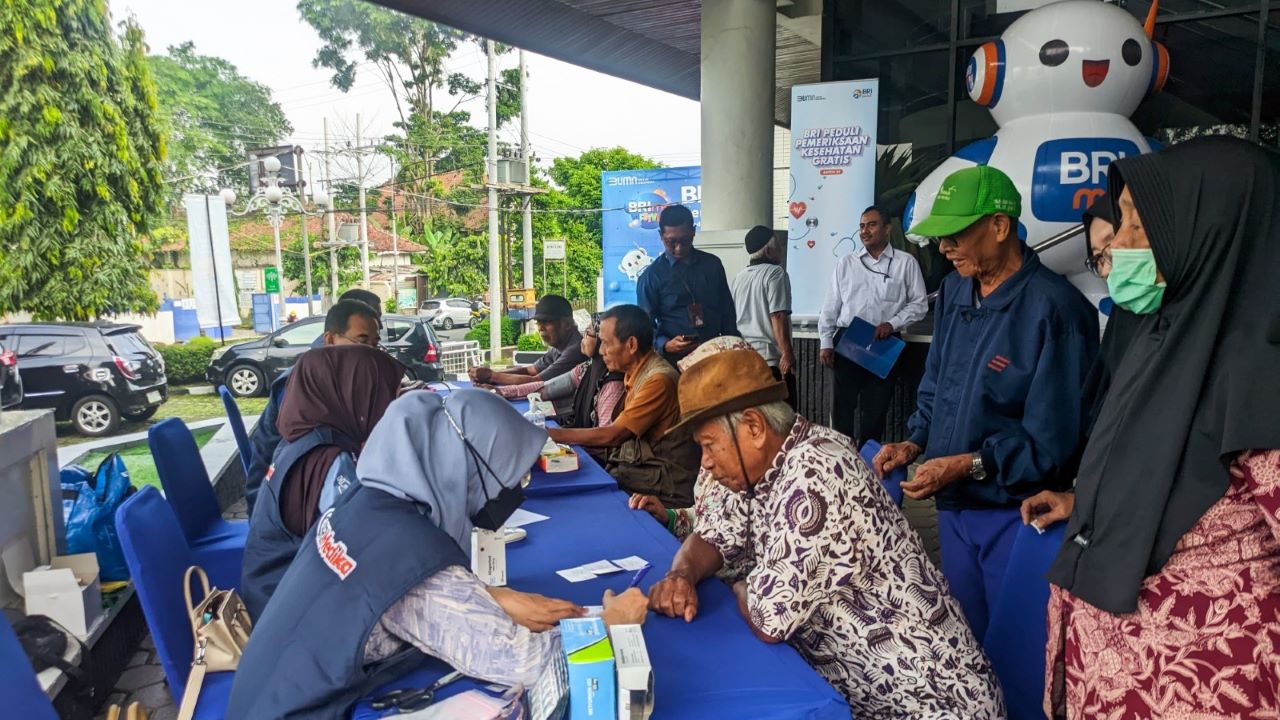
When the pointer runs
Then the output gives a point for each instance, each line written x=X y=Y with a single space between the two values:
x=633 y=199
x=833 y=179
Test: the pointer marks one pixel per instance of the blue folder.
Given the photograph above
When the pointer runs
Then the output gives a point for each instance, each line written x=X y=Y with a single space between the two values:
x=860 y=346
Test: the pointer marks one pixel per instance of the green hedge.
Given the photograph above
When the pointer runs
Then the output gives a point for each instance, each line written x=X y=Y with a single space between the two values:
x=480 y=333
x=530 y=341
x=186 y=362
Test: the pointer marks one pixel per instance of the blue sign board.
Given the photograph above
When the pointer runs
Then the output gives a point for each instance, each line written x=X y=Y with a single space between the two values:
x=633 y=199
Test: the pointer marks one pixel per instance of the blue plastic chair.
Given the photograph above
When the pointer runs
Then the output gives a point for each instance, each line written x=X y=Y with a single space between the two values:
x=216 y=544
x=18 y=686
x=158 y=557
x=237 y=428
x=1017 y=633
x=893 y=482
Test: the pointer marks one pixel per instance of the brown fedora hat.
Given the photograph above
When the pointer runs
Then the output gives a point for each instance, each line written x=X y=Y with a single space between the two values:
x=725 y=383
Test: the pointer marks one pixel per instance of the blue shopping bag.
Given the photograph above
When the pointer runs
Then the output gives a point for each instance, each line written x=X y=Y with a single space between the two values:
x=89 y=504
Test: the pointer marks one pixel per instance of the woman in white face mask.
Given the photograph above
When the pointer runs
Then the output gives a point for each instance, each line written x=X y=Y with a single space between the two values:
x=382 y=581
x=1167 y=592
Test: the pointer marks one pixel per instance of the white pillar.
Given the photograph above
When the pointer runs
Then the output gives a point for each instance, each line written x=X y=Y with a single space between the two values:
x=527 y=219
x=495 y=253
x=737 y=113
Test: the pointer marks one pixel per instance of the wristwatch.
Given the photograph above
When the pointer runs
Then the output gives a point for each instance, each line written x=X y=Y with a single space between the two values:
x=976 y=471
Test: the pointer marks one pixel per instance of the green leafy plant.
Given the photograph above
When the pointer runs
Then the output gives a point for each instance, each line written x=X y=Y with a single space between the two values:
x=480 y=333
x=530 y=341
x=186 y=362
x=81 y=163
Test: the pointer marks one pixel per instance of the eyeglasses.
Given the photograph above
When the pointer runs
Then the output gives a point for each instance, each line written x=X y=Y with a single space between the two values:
x=1095 y=262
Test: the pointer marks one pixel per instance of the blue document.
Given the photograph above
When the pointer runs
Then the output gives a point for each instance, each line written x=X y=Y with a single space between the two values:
x=860 y=346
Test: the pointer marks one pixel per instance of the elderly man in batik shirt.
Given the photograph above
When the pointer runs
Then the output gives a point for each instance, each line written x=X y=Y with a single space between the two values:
x=837 y=572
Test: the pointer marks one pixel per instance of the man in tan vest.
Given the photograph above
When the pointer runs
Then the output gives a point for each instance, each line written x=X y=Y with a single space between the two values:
x=642 y=457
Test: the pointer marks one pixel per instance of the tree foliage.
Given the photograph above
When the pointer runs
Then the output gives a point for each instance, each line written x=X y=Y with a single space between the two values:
x=350 y=272
x=214 y=115
x=81 y=161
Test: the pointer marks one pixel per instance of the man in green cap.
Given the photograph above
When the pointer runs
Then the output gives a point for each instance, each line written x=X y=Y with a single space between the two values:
x=998 y=414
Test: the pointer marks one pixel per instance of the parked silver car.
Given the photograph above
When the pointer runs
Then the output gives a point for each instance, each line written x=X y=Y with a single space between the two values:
x=447 y=313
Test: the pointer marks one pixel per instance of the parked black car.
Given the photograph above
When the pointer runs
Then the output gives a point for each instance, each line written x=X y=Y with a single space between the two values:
x=249 y=368
x=93 y=374
x=10 y=379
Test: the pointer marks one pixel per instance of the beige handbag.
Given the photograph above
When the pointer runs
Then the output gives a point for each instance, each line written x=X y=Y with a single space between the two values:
x=221 y=627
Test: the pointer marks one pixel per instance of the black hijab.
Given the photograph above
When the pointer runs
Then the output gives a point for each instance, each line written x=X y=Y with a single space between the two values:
x=1121 y=325
x=1199 y=383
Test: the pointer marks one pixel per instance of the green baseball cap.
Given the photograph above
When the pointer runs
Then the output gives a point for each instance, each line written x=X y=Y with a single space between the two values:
x=967 y=196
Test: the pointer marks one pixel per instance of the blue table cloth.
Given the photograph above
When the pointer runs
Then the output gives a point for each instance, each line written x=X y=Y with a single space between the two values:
x=710 y=668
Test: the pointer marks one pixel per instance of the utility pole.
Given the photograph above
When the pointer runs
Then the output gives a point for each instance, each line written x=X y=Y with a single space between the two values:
x=364 y=215
x=495 y=291
x=395 y=238
x=526 y=199
x=333 y=220
x=306 y=241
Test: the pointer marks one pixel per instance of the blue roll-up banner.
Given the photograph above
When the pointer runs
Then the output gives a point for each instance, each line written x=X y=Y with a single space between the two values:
x=833 y=179
x=633 y=199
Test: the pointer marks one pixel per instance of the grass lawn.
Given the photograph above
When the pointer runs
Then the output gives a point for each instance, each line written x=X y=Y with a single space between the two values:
x=137 y=458
x=191 y=408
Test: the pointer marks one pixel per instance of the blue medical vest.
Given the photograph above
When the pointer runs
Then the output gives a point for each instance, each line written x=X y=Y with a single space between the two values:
x=270 y=547
x=1004 y=378
x=305 y=657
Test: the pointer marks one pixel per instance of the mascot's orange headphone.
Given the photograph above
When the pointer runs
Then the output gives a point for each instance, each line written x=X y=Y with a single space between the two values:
x=984 y=76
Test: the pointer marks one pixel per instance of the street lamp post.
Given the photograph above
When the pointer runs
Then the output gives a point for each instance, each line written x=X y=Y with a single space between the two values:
x=274 y=200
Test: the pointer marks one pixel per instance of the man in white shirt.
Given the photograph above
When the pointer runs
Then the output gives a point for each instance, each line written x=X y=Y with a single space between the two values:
x=762 y=296
x=884 y=287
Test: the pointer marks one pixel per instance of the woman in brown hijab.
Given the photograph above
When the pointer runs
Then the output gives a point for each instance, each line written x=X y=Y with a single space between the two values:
x=334 y=397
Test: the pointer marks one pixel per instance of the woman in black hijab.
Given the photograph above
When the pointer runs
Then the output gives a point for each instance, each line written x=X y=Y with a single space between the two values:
x=1050 y=506
x=1167 y=588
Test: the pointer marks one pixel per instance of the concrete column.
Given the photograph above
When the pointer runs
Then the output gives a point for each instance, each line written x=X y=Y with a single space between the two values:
x=737 y=113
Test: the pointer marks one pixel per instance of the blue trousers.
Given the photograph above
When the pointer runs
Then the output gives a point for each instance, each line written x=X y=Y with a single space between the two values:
x=975 y=553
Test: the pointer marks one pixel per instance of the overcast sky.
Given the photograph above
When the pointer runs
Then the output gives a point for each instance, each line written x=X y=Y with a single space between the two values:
x=570 y=108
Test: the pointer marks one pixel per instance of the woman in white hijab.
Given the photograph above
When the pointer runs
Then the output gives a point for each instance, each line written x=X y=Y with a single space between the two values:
x=383 y=579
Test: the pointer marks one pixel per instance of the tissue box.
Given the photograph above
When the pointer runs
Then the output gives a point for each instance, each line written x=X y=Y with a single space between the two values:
x=564 y=459
x=66 y=590
x=489 y=556
x=635 y=674
x=590 y=659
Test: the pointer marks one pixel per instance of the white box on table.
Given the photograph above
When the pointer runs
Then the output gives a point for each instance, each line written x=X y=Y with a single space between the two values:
x=635 y=673
x=67 y=590
x=489 y=556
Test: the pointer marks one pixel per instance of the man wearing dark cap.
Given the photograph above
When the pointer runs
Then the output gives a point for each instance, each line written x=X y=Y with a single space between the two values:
x=685 y=290
x=762 y=296
x=554 y=316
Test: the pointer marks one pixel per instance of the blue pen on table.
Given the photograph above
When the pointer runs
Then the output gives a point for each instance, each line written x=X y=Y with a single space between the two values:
x=635 y=581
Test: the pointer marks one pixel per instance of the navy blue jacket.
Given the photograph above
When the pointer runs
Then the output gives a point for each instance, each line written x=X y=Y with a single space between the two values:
x=264 y=439
x=305 y=657
x=663 y=291
x=270 y=547
x=1005 y=379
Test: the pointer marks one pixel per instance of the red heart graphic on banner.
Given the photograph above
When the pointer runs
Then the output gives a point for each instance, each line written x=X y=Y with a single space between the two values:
x=811 y=243
x=797 y=209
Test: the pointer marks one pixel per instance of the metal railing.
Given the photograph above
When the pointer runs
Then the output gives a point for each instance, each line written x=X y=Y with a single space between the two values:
x=459 y=356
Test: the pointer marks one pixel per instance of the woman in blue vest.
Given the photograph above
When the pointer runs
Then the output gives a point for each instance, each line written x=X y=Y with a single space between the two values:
x=381 y=581
x=335 y=395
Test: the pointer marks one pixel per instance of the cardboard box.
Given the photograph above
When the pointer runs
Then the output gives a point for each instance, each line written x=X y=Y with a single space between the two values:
x=589 y=655
x=563 y=460
x=489 y=556
x=66 y=590
x=635 y=673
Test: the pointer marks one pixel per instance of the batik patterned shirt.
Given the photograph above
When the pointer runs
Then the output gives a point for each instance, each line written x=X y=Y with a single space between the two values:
x=840 y=575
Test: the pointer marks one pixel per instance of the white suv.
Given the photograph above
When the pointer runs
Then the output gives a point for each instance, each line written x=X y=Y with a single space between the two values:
x=447 y=313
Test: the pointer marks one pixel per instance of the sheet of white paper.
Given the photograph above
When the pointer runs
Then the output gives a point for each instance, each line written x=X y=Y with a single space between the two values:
x=633 y=562
x=576 y=574
x=522 y=517
x=594 y=610
x=601 y=567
